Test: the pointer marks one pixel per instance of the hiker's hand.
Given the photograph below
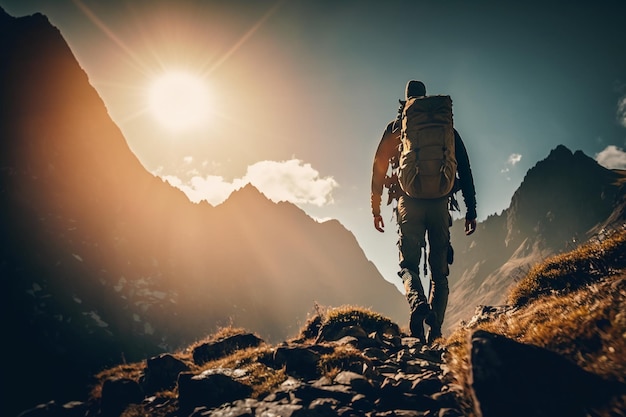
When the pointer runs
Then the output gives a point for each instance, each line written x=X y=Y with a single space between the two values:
x=470 y=226
x=379 y=224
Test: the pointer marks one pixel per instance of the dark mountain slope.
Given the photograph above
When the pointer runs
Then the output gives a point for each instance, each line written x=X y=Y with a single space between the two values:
x=102 y=262
x=562 y=199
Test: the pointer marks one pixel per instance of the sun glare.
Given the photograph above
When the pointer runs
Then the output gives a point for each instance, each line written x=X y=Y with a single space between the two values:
x=179 y=101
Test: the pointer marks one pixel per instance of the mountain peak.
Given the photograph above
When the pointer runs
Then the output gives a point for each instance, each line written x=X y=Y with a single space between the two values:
x=5 y=19
x=564 y=163
x=246 y=194
x=561 y=197
x=560 y=152
x=33 y=19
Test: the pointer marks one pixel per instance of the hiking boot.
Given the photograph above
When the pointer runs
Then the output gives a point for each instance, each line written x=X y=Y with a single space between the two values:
x=416 y=320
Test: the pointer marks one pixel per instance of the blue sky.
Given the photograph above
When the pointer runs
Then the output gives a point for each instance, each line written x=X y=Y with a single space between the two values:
x=299 y=91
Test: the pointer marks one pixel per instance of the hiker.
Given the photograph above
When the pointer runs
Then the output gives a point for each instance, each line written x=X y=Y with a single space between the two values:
x=422 y=210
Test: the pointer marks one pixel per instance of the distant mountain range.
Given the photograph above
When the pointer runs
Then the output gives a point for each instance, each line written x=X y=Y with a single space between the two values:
x=102 y=262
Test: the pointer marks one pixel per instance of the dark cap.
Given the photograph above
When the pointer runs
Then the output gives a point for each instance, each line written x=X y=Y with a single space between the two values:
x=415 y=89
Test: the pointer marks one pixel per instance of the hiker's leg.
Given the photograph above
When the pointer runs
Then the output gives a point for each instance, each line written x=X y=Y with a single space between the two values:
x=414 y=291
x=439 y=222
x=411 y=230
x=411 y=233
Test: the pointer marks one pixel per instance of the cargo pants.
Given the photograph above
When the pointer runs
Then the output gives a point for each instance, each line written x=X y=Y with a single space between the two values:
x=417 y=219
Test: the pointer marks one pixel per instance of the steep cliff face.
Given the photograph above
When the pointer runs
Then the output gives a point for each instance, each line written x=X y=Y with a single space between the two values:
x=562 y=199
x=102 y=262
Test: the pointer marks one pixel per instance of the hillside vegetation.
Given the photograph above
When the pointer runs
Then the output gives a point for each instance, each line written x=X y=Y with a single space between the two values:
x=573 y=304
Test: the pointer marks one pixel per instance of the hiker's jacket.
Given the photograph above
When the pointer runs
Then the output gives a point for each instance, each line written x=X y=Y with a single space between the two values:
x=389 y=147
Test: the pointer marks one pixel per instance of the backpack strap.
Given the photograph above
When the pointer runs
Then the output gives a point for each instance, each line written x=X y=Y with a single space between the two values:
x=397 y=124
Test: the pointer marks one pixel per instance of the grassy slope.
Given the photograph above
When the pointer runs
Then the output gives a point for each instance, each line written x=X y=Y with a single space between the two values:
x=573 y=304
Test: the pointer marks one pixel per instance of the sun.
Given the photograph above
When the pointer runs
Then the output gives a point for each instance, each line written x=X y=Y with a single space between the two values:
x=179 y=101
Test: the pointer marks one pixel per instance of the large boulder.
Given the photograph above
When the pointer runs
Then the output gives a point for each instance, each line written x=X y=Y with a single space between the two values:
x=513 y=379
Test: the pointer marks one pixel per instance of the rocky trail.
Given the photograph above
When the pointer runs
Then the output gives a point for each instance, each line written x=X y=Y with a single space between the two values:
x=395 y=376
x=350 y=373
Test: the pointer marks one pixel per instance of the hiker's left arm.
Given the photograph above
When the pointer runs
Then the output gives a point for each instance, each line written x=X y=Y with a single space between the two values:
x=466 y=181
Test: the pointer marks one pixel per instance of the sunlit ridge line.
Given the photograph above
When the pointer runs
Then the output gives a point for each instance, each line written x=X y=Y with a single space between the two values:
x=246 y=36
x=109 y=33
x=125 y=86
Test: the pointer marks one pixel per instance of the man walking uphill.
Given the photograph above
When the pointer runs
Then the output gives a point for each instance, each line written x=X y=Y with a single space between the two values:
x=430 y=164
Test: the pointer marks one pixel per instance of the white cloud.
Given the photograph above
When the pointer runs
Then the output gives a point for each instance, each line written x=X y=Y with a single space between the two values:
x=211 y=188
x=612 y=157
x=511 y=161
x=292 y=180
x=514 y=158
x=621 y=111
x=322 y=219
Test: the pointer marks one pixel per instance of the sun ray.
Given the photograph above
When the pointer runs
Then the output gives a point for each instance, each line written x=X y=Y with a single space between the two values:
x=246 y=36
x=157 y=58
x=109 y=33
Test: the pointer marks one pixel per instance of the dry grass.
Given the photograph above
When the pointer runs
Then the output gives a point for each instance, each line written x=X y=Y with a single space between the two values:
x=131 y=371
x=573 y=304
x=260 y=377
x=345 y=316
x=573 y=270
x=354 y=315
x=311 y=328
x=344 y=357
x=220 y=334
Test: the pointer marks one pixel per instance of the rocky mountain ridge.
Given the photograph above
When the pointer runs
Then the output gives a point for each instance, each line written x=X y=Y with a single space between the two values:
x=563 y=201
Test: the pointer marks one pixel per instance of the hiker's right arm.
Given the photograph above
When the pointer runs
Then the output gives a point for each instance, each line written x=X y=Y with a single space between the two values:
x=386 y=149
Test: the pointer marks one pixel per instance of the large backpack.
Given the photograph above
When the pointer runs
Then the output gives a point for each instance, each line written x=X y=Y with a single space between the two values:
x=427 y=166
